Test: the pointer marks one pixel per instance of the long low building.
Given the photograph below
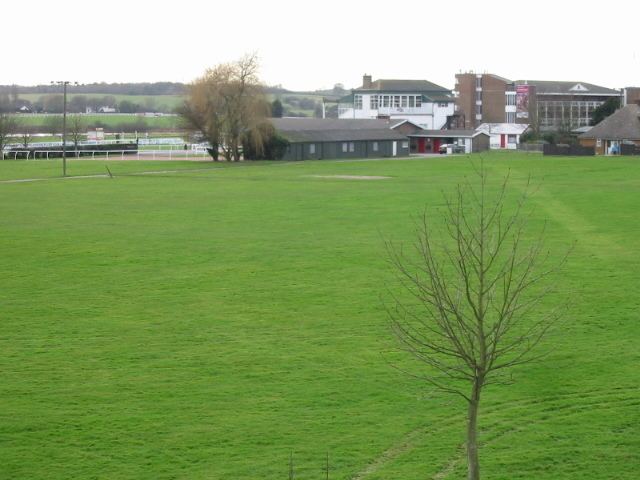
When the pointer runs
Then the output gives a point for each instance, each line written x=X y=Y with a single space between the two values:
x=330 y=138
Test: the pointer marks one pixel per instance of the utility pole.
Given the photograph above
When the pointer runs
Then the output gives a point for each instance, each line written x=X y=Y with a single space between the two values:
x=64 y=84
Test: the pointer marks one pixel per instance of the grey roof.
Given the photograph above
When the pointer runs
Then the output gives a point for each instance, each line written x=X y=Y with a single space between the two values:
x=448 y=133
x=624 y=124
x=385 y=85
x=334 y=129
x=564 y=88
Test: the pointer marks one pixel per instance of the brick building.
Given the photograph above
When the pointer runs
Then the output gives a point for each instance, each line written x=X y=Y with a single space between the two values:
x=630 y=95
x=485 y=98
x=544 y=105
x=617 y=133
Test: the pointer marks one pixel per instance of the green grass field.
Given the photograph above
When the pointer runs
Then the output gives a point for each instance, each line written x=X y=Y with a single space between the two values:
x=206 y=323
x=112 y=121
x=162 y=102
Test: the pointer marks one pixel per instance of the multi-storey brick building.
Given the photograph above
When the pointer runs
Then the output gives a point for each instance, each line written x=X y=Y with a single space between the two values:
x=485 y=98
x=630 y=95
x=544 y=105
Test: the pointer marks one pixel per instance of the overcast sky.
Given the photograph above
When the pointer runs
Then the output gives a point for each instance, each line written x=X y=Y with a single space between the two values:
x=307 y=45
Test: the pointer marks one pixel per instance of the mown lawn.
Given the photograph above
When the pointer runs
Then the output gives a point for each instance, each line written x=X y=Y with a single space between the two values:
x=207 y=323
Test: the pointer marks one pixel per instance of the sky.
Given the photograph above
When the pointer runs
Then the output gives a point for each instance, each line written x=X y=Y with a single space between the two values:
x=306 y=45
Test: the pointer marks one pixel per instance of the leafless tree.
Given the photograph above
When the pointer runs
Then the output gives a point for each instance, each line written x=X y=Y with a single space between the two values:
x=76 y=128
x=228 y=107
x=473 y=309
x=25 y=136
x=53 y=124
x=8 y=127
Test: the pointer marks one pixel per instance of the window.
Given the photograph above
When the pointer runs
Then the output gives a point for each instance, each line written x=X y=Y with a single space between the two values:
x=418 y=101
x=511 y=99
x=312 y=149
x=412 y=101
x=510 y=117
x=404 y=102
x=479 y=81
x=374 y=147
x=478 y=96
x=405 y=144
x=478 y=109
x=385 y=101
x=357 y=102
x=344 y=147
x=443 y=104
x=373 y=103
x=396 y=101
x=511 y=139
x=352 y=147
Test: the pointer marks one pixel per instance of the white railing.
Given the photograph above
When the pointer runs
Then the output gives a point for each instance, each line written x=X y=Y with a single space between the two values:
x=107 y=154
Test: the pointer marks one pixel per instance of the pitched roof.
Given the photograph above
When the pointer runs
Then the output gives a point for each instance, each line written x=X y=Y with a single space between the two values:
x=459 y=133
x=334 y=129
x=624 y=124
x=417 y=86
x=567 y=88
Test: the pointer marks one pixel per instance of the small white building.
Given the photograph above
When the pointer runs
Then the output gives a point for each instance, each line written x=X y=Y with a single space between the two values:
x=503 y=136
x=420 y=101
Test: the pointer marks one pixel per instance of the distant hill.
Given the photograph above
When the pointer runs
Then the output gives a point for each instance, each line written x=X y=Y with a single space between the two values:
x=155 y=88
x=161 y=97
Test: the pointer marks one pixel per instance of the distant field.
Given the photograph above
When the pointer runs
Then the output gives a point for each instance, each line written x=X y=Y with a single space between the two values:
x=164 y=102
x=297 y=103
x=109 y=120
x=208 y=323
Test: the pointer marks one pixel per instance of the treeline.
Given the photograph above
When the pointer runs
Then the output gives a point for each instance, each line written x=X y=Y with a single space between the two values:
x=155 y=88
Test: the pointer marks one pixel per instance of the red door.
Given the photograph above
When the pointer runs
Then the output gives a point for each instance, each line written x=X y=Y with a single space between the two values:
x=503 y=140
x=421 y=148
x=436 y=145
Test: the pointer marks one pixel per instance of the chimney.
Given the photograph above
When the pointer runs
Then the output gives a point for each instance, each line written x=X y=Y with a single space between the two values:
x=366 y=81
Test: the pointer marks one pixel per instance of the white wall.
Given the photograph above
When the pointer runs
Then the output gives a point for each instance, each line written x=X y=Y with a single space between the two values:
x=429 y=115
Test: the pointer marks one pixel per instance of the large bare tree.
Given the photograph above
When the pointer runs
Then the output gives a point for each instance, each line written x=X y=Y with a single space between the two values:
x=228 y=107
x=475 y=286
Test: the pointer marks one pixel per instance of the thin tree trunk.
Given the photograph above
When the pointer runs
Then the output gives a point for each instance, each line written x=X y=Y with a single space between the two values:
x=472 y=433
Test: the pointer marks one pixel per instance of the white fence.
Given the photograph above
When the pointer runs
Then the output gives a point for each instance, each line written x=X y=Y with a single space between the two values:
x=180 y=154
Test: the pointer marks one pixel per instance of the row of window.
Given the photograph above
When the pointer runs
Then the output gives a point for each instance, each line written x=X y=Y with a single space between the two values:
x=351 y=147
x=568 y=113
x=346 y=147
x=390 y=101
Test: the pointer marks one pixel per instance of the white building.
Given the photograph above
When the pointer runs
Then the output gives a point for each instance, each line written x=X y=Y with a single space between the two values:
x=420 y=101
x=505 y=136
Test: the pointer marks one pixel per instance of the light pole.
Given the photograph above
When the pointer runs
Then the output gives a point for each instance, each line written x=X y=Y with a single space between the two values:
x=64 y=84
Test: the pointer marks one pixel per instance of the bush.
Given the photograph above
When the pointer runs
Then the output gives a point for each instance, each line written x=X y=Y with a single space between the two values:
x=274 y=149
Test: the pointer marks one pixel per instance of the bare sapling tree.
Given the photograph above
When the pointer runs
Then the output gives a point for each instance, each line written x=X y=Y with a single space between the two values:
x=469 y=307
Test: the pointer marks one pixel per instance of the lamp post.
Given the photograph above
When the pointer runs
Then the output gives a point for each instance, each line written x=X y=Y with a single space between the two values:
x=64 y=84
